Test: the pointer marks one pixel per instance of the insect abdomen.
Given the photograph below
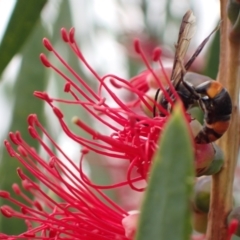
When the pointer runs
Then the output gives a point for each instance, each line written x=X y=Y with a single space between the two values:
x=217 y=107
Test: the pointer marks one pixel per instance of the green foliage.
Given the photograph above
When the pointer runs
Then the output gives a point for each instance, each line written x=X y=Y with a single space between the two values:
x=22 y=29
x=211 y=68
x=233 y=12
x=30 y=78
x=23 y=20
x=166 y=209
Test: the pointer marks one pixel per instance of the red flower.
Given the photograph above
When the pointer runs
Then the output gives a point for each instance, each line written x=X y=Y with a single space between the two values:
x=79 y=210
x=134 y=135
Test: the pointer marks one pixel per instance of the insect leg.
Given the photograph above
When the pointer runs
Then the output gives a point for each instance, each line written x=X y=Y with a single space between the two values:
x=155 y=102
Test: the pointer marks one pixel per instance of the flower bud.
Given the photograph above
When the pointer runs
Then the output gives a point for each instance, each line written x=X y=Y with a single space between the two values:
x=208 y=157
x=204 y=155
x=217 y=162
x=235 y=214
x=201 y=197
x=200 y=220
x=130 y=224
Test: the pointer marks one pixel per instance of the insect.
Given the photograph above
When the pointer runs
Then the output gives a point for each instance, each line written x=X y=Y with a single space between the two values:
x=194 y=88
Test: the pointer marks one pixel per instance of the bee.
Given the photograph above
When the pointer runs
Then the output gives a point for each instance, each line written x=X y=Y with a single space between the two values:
x=193 y=88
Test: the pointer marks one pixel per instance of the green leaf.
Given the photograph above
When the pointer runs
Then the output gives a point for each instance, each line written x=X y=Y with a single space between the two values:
x=23 y=19
x=212 y=65
x=165 y=214
x=31 y=77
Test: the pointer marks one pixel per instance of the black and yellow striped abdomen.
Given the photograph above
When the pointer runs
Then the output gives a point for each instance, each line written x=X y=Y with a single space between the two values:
x=217 y=106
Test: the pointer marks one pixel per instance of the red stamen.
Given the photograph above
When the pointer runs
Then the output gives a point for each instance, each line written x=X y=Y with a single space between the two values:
x=156 y=54
x=64 y=35
x=42 y=95
x=38 y=205
x=21 y=174
x=137 y=46
x=67 y=87
x=58 y=112
x=32 y=132
x=22 y=151
x=232 y=228
x=16 y=189
x=47 y=44
x=18 y=137
x=9 y=148
x=13 y=138
x=139 y=51
x=44 y=60
x=32 y=119
x=4 y=194
x=6 y=211
x=71 y=35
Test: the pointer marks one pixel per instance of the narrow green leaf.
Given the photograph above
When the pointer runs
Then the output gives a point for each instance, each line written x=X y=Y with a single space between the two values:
x=212 y=65
x=166 y=209
x=30 y=78
x=23 y=19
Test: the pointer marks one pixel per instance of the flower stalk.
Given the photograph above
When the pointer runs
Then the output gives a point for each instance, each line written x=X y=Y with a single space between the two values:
x=229 y=76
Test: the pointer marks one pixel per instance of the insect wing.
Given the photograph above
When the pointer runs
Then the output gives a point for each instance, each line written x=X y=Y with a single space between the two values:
x=200 y=47
x=195 y=79
x=186 y=32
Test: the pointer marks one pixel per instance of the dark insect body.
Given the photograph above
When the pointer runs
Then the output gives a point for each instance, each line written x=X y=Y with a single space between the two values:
x=194 y=88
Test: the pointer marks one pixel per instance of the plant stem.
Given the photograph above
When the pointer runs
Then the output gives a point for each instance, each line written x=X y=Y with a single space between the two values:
x=222 y=183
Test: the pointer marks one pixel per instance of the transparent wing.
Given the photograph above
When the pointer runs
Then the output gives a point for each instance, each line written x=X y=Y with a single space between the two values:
x=200 y=47
x=186 y=32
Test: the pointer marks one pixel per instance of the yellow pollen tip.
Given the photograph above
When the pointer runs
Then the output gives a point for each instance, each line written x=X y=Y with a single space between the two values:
x=75 y=120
